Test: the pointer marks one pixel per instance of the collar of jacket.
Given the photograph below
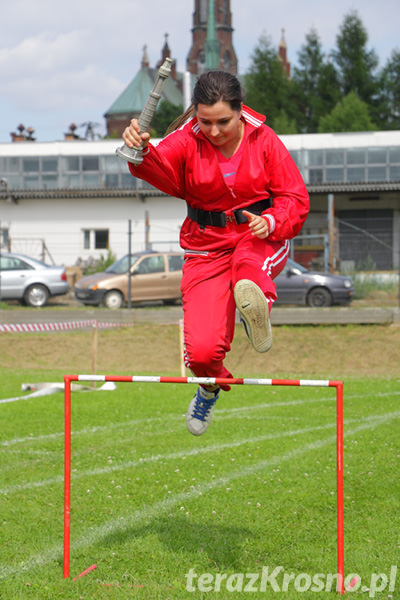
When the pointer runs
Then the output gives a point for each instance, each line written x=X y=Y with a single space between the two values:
x=253 y=118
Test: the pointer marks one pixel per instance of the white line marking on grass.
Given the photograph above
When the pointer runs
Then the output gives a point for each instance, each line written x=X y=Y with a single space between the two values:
x=159 y=457
x=174 y=416
x=28 y=396
x=122 y=523
x=375 y=419
x=138 y=422
x=87 y=430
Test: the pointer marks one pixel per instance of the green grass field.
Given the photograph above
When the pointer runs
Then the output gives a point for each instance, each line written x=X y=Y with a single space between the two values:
x=165 y=515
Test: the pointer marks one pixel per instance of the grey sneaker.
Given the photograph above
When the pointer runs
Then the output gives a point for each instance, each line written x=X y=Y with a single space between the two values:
x=199 y=412
x=253 y=308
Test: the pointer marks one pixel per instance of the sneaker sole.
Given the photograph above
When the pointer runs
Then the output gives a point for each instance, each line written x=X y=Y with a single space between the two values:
x=253 y=308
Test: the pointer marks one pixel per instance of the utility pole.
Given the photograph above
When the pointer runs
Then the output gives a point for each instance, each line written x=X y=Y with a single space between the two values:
x=331 y=233
x=129 y=263
x=147 y=245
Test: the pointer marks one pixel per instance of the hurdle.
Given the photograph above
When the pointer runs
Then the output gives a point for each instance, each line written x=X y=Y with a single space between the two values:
x=338 y=385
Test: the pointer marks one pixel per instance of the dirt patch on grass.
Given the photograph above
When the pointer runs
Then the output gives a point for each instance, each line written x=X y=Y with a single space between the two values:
x=298 y=351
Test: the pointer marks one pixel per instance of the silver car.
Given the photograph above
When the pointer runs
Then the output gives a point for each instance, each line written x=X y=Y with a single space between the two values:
x=29 y=280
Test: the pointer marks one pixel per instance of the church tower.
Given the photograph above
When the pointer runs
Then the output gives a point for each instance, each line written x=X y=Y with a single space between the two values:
x=210 y=16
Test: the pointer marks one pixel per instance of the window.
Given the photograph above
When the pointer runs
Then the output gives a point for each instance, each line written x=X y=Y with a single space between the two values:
x=71 y=181
x=90 y=180
x=50 y=164
x=315 y=176
x=3 y=237
x=336 y=174
x=175 y=262
x=12 y=164
x=227 y=61
x=395 y=173
x=10 y=263
x=86 y=239
x=90 y=163
x=71 y=163
x=30 y=165
x=111 y=180
x=31 y=182
x=334 y=157
x=50 y=182
x=295 y=154
x=203 y=11
x=376 y=156
x=111 y=164
x=150 y=264
x=355 y=174
x=314 y=158
x=355 y=156
x=101 y=239
x=127 y=181
x=394 y=155
x=377 y=174
x=95 y=239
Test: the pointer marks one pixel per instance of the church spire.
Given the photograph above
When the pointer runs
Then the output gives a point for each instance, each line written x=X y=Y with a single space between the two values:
x=212 y=43
x=145 y=58
x=283 y=54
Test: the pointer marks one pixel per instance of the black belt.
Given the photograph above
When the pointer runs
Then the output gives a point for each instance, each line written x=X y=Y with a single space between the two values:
x=220 y=219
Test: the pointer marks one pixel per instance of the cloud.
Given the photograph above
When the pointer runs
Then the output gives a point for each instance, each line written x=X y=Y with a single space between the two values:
x=48 y=71
x=70 y=64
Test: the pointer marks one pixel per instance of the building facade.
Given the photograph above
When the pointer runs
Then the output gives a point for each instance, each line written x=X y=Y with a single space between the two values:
x=71 y=201
x=77 y=198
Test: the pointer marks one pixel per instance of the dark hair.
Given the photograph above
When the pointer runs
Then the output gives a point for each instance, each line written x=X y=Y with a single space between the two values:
x=212 y=87
x=216 y=86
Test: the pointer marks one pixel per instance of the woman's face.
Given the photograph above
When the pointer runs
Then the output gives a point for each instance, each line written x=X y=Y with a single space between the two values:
x=219 y=123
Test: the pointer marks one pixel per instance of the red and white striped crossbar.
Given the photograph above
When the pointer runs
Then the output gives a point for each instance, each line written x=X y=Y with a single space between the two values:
x=207 y=381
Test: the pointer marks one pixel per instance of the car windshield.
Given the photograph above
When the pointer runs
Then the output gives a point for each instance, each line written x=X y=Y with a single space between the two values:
x=291 y=264
x=122 y=265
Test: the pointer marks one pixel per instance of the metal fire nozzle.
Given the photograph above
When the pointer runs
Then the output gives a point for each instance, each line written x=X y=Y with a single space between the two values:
x=135 y=155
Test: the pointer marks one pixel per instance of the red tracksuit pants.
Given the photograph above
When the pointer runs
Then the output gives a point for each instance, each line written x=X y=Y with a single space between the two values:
x=207 y=297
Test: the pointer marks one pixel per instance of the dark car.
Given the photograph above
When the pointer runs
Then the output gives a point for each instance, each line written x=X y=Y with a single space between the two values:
x=296 y=285
x=29 y=280
x=154 y=276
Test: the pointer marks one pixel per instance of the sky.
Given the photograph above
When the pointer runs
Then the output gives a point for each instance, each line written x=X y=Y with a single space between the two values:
x=66 y=62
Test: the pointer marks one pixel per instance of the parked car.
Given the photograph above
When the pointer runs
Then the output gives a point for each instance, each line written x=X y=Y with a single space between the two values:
x=29 y=280
x=154 y=276
x=296 y=285
x=157 y=276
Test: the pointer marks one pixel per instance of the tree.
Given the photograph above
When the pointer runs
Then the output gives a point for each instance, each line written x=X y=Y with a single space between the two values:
x=350 y=114
x=388 y=110
x=316 y=83
x=283 y=125
x=164 y=115
x=356 y=65
x=267 y=85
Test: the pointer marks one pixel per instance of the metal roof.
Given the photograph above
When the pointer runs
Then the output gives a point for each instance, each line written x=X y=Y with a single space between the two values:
x=134 y=97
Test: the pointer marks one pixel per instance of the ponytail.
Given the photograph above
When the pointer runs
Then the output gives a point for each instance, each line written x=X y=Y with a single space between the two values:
x=179 y=121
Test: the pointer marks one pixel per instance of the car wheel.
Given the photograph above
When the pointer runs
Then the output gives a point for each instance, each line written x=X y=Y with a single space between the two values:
x=113 y=300
x=319 y=297
x=36 y=295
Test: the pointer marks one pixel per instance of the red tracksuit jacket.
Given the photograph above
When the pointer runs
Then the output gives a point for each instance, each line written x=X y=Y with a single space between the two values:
x=184 y=165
